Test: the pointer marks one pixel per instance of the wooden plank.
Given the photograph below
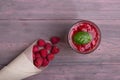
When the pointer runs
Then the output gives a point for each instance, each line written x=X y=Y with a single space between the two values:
x=15 y=36
x=23 y=21
x=79 y=72
x=66 y=9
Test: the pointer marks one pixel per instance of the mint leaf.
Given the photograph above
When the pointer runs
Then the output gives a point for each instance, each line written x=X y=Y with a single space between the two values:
x=82 y=37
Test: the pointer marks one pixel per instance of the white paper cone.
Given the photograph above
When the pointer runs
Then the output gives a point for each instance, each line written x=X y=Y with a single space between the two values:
x=21 y=67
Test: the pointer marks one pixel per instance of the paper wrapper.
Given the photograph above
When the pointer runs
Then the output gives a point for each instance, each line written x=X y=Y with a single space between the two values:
x=21 y=67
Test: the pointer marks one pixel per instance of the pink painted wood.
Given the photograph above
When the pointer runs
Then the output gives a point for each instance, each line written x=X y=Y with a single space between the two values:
x=23 y=21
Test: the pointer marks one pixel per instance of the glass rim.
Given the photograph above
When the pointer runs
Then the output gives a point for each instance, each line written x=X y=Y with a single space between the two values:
x=70 y=43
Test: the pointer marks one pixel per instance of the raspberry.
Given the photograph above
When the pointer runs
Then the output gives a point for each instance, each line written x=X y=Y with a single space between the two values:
x=38 y=62
x=35 y=48
x=37 y=55
x=41 y=42
x=43 y=53
x=55 y=50
x=33 y=56
x=45 y=62
x=55 y=40
x=50 y=57
x=48 y=46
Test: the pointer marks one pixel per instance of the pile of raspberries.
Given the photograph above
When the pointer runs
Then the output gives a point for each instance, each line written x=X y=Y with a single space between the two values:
x=45 y=51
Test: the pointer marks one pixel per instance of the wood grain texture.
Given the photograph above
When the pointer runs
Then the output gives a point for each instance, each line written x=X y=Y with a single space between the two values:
x=65 y=9
x=23 y=21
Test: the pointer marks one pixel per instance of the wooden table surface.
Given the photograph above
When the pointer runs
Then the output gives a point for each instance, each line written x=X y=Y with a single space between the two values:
x=23 y=21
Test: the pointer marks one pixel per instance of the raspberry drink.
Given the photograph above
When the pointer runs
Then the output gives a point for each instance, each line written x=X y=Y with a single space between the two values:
x=84 y=37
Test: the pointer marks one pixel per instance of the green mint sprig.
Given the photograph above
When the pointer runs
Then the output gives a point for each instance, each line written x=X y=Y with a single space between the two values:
x=82 y=38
